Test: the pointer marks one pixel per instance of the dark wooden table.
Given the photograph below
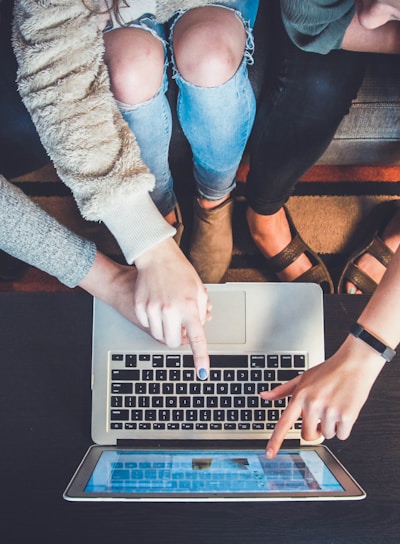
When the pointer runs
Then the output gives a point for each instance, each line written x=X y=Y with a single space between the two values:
x=45 y=352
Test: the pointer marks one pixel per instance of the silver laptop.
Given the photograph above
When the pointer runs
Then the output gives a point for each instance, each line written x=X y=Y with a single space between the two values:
x=146 y=395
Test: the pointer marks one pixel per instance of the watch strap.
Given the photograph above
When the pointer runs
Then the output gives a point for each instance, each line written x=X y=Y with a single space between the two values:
x=385 y=351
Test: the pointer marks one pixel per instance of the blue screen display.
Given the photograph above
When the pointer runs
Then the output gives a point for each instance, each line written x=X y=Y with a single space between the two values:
x=145 y=472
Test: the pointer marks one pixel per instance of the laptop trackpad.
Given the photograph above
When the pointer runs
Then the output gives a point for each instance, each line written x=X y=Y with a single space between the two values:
x=228 y=323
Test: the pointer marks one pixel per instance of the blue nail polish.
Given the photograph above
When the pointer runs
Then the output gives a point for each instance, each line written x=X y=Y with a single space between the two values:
x=352 y=290
x=203 y=374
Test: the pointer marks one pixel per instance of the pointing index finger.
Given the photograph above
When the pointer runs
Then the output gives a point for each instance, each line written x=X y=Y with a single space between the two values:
x=198 y=342
x=285 y=423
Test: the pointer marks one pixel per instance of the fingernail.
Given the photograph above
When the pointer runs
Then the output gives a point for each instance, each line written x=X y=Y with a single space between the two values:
x=203 y=374
x=352 y=290
x=270 y=453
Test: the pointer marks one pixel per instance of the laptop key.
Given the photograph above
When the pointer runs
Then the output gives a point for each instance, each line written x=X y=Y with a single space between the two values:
x=215 y=426
x=173 y=361
x=121 y=388
x=154 y=388
x=225 y=402
x=130 y=402
x=201 y=426
x=299 y=361
x=161 y=375
x=257 y=426
x=130 y=361
x=212 y=402
x=286 y=361
x=119 y=375
x=205 y=415
x=119 y=415
x=286 y=375
x=115 y=426
x=257 y=361
x=167 y=388
x=116 y=401
x=164 y=415
x=140 y=388
x=230 y=426
x=150 y=415
x=185 y=402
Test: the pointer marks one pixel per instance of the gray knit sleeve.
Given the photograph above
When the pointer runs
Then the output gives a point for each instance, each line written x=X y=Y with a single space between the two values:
x=317 y=26
x=33 y=236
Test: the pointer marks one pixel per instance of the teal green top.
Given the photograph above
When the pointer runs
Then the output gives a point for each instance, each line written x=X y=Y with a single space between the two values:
x=317 y=25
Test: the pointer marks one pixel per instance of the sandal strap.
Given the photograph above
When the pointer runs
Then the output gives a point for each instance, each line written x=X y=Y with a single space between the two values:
x=288 y=254
x=360 y=279
x=316 y=274
x=380 y=251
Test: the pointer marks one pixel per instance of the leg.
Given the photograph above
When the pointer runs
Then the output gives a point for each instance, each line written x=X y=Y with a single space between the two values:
x=216 y=108
x=305 y=97
x=216 y=103
x=136 y=61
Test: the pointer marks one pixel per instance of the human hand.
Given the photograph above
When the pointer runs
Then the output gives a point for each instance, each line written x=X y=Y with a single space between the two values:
x=114 y=284
x=329 y=396
x=165 y=299
x=171 y=301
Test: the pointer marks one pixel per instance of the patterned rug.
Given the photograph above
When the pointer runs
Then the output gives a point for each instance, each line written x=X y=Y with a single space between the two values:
x=329 y=207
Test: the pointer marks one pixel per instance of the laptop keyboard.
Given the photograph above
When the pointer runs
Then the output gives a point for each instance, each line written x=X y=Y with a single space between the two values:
x=160 y=392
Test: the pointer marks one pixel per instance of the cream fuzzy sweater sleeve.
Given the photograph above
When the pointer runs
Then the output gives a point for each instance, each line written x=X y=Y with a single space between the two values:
x=64 y=84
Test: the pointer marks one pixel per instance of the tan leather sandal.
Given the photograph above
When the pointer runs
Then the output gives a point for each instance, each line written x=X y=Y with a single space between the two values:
x=318 y=273
x=372 y=244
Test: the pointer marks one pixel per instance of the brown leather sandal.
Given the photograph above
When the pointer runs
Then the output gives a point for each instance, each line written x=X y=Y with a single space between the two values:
x=372 y=244
x=318 y=273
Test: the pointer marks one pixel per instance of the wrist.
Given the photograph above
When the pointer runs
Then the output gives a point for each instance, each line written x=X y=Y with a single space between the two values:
x=165 y=250
x=362 y=357
x=100 y=279
x=373 y=341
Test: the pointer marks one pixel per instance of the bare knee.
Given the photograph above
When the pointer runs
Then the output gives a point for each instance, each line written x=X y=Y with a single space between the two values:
x=135 y=61
x=209 y=44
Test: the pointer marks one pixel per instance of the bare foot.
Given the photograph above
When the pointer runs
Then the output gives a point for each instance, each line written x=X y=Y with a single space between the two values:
x=271 y=234
x=368 y=263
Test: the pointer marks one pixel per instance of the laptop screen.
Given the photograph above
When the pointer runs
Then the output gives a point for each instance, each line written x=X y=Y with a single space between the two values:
x=205 y=471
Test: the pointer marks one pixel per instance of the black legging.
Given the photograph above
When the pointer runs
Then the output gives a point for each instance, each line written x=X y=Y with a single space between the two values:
x=305 y=97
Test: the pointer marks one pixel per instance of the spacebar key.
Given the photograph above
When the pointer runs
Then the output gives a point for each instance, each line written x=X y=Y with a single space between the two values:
x=221 y=361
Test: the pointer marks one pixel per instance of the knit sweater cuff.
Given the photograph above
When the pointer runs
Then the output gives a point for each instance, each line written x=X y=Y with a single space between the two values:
x=136 y=224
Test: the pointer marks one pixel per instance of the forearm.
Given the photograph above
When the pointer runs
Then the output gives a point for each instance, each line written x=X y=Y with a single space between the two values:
x=65 y=86
x=380 y=319
x=385 y=39
x=33 y=236
x=381 y=316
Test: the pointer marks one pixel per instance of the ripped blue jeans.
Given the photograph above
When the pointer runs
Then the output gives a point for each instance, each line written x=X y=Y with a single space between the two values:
x=216 y=121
